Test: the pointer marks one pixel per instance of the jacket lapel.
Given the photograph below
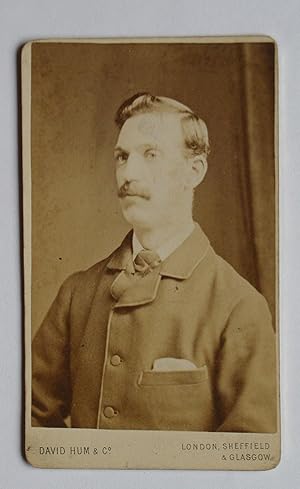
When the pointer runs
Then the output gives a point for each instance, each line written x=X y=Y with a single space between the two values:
x=136 y=290
x=129 y=290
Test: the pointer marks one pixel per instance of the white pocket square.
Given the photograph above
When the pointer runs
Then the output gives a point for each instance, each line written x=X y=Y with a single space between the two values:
x=168 y=363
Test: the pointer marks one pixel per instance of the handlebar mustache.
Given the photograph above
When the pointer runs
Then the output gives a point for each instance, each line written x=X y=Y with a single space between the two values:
x=133 y=189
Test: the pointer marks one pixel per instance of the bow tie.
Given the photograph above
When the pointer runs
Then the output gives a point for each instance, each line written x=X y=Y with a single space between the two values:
x=145 y=261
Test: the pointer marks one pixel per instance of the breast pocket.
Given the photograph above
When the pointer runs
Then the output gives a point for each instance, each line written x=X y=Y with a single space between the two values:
x=176 y=400
x=173 y=377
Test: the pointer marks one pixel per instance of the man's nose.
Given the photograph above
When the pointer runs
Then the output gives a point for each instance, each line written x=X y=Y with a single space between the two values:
x=132 y=168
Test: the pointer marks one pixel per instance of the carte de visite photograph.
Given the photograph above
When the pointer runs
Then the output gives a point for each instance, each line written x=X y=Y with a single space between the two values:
x=151 y=253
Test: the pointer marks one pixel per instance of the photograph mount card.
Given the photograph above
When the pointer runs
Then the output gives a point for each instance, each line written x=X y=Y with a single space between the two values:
x=150 y=199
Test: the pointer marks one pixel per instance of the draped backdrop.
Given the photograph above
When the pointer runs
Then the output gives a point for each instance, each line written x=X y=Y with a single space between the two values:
x=76 y=89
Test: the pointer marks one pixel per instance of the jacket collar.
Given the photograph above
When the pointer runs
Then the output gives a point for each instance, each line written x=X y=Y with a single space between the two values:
x=143 y=291
x=180 y=264
x=121 y=258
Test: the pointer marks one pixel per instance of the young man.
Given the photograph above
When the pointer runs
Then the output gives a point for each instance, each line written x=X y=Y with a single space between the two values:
x=163 y=334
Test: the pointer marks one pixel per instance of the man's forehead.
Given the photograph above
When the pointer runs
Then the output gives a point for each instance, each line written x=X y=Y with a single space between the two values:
x=157 y=127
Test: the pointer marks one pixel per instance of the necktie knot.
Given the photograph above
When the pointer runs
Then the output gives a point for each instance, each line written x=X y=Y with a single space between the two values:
x=146 y=260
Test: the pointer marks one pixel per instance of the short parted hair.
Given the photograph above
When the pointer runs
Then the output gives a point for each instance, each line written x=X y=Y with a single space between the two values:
x=194 y=129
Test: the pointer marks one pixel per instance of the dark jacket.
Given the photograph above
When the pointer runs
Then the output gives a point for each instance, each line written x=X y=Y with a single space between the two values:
x=93 y=355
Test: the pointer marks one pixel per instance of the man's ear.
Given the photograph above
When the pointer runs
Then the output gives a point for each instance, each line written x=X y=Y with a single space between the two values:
x=197 y=168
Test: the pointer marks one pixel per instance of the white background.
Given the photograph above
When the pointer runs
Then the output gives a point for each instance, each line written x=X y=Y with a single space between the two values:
x=33 y=19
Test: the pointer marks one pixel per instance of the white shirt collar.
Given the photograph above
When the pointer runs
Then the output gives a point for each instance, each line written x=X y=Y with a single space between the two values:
x=136 y=246
x=166 y=248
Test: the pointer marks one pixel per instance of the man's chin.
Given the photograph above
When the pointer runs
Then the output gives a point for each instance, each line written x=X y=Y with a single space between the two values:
x=135 y=216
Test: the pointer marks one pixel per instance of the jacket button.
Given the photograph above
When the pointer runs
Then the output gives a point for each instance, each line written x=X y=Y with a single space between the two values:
x=115 y=360
x=109 y=412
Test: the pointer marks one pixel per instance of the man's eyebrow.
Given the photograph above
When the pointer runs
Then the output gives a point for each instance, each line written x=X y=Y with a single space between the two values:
x=119 y=149
x=149 y=146
x=145 y=146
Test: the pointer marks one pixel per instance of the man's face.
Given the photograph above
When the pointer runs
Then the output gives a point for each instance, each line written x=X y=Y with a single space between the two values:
x=151 y=169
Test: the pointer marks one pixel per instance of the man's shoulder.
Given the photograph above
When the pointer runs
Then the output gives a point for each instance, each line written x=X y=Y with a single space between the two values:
x=89 y=276
x=233 y=288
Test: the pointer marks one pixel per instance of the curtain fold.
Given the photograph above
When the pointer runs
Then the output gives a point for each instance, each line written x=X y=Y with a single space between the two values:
x=258 y=96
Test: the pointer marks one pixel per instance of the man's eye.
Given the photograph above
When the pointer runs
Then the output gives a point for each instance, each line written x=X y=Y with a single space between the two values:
x=121 y=158
x=150 y=154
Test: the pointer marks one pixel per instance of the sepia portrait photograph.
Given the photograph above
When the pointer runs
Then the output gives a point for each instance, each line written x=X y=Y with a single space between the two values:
x=150 y=252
